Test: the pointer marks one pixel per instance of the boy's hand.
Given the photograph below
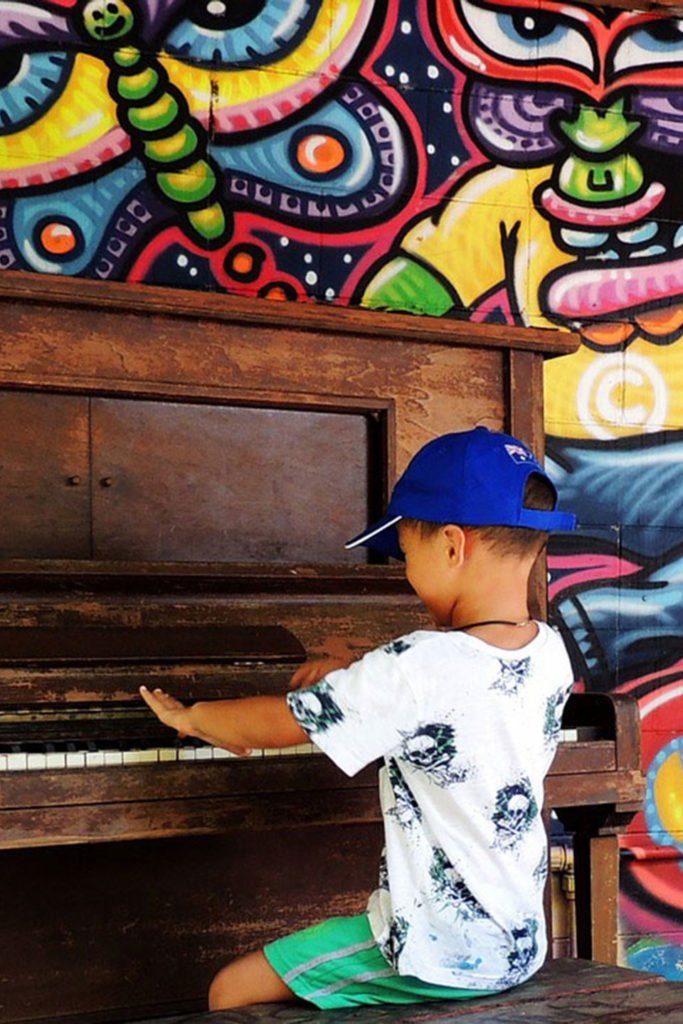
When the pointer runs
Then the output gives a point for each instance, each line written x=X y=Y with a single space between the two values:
x=313 y=671
x=168 y=710
x=176 y=716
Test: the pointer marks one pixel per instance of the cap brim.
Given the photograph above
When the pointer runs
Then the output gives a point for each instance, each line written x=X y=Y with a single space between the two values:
x=381 y=536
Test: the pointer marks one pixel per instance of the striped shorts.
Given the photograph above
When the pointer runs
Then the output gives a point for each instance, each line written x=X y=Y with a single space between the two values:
x=338 y=964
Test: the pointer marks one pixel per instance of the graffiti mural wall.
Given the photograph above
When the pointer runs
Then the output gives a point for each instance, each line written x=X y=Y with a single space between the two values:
x=444 y=157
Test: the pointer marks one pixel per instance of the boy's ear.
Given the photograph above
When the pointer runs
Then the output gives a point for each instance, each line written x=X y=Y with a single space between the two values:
x=456 y=540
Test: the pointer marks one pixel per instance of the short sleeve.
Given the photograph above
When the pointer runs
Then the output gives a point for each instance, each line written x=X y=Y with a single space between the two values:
x=360 y=713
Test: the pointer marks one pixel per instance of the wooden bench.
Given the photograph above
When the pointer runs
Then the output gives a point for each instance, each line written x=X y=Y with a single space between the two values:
x=563 y=992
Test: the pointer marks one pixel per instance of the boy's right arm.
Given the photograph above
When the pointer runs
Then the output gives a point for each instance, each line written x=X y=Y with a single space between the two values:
x=243 y=724
x=240 y=725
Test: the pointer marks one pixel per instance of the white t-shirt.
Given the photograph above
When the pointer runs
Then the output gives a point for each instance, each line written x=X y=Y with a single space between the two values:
x=467 y=732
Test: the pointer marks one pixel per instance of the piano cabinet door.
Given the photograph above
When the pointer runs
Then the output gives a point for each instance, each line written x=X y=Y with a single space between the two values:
x=44 y=475
x=176 y=481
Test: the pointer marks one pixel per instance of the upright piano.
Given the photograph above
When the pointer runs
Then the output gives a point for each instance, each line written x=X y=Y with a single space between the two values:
x=178 y=475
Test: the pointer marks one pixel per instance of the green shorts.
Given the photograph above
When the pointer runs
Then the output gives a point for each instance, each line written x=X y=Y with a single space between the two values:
x=338 y=964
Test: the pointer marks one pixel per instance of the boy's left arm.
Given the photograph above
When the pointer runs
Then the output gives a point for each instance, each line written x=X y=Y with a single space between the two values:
x=238 y=725
x=312 y=671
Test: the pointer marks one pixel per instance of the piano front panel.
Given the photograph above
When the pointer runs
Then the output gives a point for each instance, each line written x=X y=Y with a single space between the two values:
x=122 y=931
x=46 y=505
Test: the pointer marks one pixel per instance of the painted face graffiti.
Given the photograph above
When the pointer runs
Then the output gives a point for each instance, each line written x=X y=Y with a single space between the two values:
x=601 y=129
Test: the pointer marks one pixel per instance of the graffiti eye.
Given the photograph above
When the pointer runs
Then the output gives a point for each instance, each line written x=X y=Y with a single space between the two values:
x=659 y=42
x=58 y=238
x=319 y=154
x=527 y=35
x=29 y=85
x=249 y=32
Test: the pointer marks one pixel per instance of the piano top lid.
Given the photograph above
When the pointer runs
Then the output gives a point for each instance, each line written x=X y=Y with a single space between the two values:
x=92 y=645
x=37 y=291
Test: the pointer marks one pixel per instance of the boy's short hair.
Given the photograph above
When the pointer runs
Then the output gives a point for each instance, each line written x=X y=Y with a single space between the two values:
x=506 y=540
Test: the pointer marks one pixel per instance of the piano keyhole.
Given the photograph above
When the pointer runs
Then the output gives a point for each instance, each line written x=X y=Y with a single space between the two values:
x=106 y=481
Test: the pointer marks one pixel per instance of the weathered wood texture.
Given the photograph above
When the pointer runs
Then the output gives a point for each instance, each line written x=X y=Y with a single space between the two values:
x=131 y=481
x=50 y=808
x=563 y=992
x=109 y=927
x=27 y=288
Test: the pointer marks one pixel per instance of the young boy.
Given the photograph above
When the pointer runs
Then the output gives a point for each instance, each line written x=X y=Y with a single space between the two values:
x=466 y=718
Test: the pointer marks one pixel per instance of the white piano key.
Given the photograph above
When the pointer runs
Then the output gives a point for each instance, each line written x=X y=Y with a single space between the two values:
x=94 y=758
x=168 y=754
x=3 y=762
x=16 y=762
x=203 y=754
x=75 y=759
x=186 y=754
x=55 y=760
x=34 y=761
x=113 y=758
x=271 y=752
x=219 y=754
x=569 y=735
x=139 y=756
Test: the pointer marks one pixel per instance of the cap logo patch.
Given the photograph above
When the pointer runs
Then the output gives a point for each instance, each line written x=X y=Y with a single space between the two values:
x=519 y=454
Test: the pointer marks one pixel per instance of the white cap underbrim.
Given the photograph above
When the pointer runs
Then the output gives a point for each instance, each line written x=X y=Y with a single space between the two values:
x=376 y=536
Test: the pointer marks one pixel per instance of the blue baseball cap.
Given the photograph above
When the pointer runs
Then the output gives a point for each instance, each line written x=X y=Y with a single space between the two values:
x=473 y=478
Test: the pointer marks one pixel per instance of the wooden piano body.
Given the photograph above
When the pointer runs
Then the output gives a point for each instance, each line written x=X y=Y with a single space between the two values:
x=194 y=463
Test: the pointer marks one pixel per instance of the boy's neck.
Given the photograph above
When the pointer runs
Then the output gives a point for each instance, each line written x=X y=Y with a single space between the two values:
x=506 y=633
x=495 y=594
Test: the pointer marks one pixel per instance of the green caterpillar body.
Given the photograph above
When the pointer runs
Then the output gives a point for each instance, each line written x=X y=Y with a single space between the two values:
x=170 y=141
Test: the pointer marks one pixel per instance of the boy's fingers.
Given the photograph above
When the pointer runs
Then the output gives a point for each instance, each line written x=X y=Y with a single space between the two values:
x=294 y=679
x=170 y=703
x=159 y=702
x=303 y=681
x=149 y=698
x=302 y=677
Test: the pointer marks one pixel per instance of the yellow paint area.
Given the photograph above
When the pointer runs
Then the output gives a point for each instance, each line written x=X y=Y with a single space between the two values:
x=81 y=115
x=202 y=87
x=593 y=393
x=668 y=794
x=605 y=395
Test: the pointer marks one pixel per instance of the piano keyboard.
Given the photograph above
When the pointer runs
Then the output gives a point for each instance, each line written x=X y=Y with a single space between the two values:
x=103 y=736
x=18 y=760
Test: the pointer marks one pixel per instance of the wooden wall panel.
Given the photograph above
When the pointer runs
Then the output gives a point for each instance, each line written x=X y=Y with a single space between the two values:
x=184 y=482
x=44 y=470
